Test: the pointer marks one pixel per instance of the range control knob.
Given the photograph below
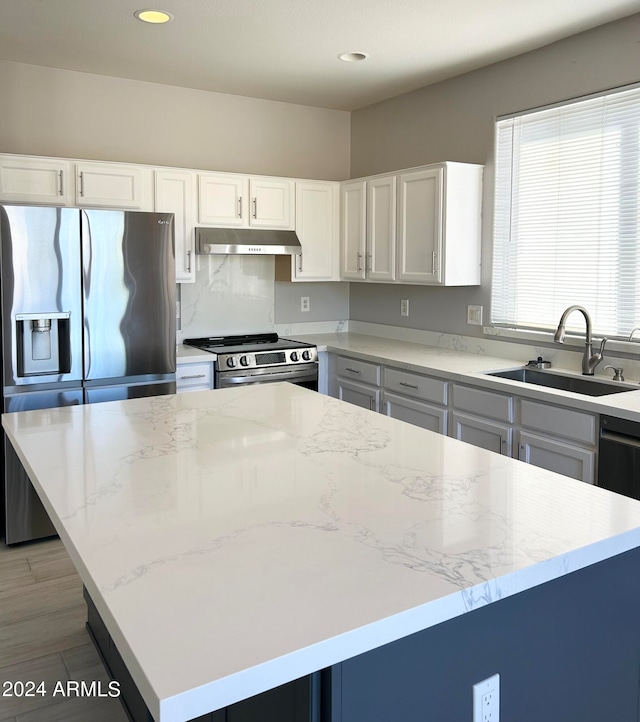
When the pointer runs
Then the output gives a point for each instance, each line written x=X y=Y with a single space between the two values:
x=244 y=361
x=306 y=355
x=294 y=355
x=231 y=362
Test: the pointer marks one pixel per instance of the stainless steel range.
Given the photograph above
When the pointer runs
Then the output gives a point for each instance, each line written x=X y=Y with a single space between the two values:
x=260 y=359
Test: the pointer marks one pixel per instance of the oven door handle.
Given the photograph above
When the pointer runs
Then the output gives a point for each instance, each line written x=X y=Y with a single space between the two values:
x=267 y=376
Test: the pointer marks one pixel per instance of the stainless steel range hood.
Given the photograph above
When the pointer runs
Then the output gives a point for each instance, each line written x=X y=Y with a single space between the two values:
x=252 y=241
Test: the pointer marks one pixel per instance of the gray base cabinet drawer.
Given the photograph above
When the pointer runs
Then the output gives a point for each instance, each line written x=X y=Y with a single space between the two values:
x=366 y=373
x=419 y=387
x=556 y=421
x=485 y=403
x=413 y=412
x=194 y=377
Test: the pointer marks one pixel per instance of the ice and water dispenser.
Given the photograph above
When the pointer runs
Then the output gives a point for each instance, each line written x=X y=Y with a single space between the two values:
x=43 y=343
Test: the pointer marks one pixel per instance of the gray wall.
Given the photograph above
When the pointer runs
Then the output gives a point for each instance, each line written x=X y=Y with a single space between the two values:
x=47 y=111
x=327 y=302
x=454 y=120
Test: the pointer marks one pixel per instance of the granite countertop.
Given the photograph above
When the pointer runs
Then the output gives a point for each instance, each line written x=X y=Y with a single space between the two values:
x=463 y=366
x=237 y=539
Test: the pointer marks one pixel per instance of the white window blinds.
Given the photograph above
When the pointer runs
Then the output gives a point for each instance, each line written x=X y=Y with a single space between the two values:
x=567 y=215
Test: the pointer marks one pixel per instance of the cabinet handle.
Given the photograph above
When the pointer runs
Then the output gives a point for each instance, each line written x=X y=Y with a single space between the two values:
x=300 y=263
x=409 y=386
x=255 y=207
x=433 y=265
x=60 y=186
x=188 y=261
x=353 y=371
x=194 y=376
x=240 y=207
x=359 y=256
x=368 y=262
x=81 y=184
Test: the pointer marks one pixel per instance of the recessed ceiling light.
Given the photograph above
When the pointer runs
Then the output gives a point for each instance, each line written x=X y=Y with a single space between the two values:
x=353 y=57
x=153 y=16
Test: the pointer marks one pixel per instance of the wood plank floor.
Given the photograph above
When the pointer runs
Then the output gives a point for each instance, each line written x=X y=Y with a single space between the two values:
x=43 y=637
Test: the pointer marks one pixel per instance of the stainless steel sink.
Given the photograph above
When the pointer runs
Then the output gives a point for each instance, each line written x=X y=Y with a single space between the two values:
x=576 y=384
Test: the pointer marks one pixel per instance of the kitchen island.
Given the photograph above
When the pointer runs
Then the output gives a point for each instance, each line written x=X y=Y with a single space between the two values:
x=236 y=540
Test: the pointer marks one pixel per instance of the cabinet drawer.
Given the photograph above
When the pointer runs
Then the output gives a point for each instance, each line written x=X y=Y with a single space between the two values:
x=485 y=403
x=419 y=387
x=194 y=377
x=555 y=421
x=349 y=368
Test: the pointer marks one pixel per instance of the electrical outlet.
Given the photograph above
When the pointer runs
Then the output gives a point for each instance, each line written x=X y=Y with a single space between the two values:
x=404 y=307
x=486 y=700
x=474 y=315
x=304 y=304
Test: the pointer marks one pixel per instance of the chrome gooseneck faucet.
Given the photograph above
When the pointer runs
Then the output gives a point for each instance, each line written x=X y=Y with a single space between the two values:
x=590 y=360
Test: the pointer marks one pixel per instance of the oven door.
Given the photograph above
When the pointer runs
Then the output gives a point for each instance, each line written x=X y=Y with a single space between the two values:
x=303 y=375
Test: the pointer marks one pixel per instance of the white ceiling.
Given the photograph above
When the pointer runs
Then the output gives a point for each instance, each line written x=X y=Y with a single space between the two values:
x=287 y=49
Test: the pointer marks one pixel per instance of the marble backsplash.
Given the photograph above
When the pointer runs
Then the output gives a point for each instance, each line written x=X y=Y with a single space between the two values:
x=232 y=295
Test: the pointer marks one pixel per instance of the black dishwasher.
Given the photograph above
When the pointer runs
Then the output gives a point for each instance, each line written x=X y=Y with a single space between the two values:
x=619 y=456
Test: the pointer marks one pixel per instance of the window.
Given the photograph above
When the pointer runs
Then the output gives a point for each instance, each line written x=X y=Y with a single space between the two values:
x=567 y=215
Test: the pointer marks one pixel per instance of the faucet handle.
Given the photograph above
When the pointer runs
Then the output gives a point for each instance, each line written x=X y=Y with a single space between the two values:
x=602 y=343
x=617 y=373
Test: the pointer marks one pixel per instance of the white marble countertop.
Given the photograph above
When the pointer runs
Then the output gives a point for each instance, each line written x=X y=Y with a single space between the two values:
x=471 y=368
x=192 y=355
x=234 y=540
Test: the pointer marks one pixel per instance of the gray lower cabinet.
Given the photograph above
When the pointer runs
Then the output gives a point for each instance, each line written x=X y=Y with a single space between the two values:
x=415 y=412
x=368 y=397
x=552 y=437
x=486 y=433
x=555 y=455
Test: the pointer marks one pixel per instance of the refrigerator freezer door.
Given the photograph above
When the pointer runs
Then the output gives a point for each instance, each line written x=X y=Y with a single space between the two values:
x=41 y=296
x=26 y=518
x=129 y=294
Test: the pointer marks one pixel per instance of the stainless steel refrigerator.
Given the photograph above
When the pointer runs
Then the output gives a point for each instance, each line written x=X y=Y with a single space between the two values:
x=88 y=315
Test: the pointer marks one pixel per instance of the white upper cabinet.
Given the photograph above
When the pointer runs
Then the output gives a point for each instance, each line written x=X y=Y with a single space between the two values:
x=228 y=200
x=175 y=192
x=223 y=199
x=36 y=180
x=114 y=185
x=420 y=226
x=439 y=225
x=317 y=229
x=353 y=229
x=380 y=254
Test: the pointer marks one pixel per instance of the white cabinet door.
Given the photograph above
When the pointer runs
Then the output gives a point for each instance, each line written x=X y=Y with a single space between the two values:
x=380 y=259
x=359 y=394
x=271 y=204
x=113 y=186
x=420 y=226
x=559 y=456
x=418 y=413
x=487 y=434
x=353 y=227
x=35 y=180
x=175 y=192
x=317 y=229
x=223 y=200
